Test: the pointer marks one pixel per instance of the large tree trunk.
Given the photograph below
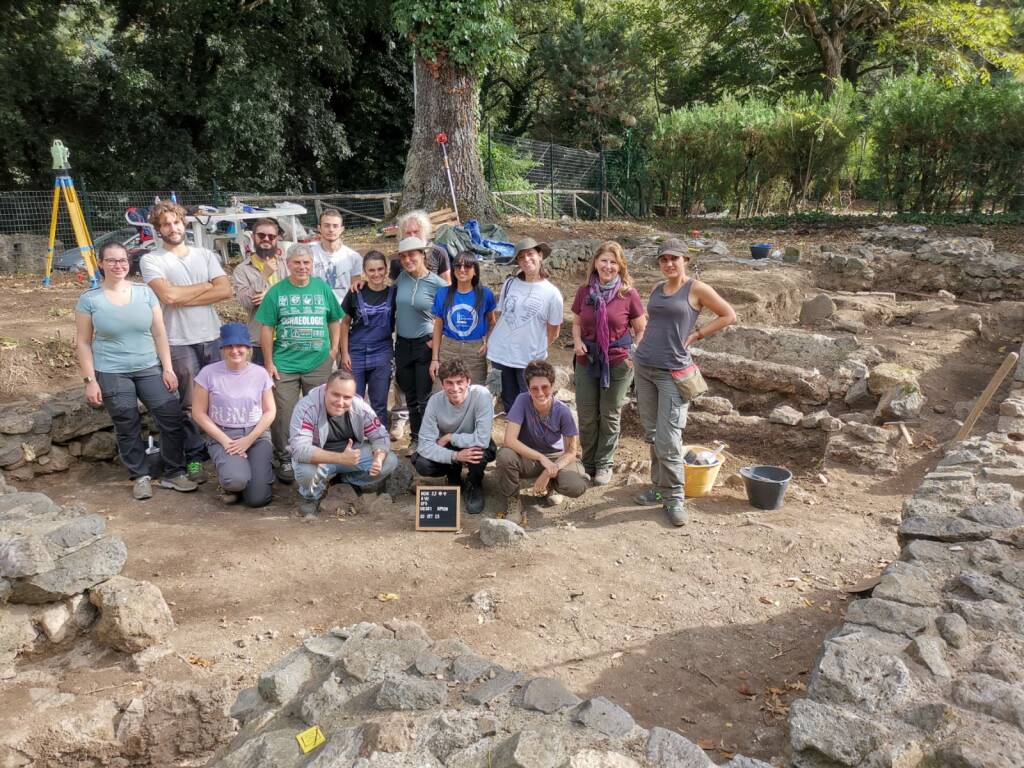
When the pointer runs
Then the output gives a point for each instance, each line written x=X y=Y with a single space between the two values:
x=446 y=102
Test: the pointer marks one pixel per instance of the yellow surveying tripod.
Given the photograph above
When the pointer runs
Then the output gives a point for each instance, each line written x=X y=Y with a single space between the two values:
x=62 y=181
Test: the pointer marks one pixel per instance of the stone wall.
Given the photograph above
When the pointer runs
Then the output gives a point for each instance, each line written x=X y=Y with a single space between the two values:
x=21 y=254
x=390 y=696
x=51 y=433
x=929 y=669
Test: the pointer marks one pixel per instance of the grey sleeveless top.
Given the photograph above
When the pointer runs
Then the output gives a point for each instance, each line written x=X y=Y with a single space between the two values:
x=670 y=320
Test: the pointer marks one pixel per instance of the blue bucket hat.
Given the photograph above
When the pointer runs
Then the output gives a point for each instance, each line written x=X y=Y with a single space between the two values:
x=232 y=334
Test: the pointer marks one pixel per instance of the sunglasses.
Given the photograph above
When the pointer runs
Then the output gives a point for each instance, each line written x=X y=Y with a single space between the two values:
x=265 y=236
x=464 y=264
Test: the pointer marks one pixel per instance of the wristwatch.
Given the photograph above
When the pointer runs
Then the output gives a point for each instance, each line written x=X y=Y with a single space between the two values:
x=88 y=379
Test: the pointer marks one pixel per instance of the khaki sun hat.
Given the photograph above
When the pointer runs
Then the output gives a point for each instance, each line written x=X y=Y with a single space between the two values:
x=411 y=244
x=528 y=242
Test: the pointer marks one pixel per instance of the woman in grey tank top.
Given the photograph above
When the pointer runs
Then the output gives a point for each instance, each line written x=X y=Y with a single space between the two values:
x=661 y=360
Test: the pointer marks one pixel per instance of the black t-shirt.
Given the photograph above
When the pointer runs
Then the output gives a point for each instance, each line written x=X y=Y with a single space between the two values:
x=339 y=433
x=372 y=298
x=435 y=257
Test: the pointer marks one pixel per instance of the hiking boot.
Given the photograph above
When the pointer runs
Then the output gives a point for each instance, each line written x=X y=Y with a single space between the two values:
x=513 y=509
x=180 y=483
x=195 y=471
x=143 y=488
x=227 y=497
x=651 y=498
x=474 y=499
x=676 y=511
x=602 y=476
x=309 y=507
x=555 y=499
x=284 y=471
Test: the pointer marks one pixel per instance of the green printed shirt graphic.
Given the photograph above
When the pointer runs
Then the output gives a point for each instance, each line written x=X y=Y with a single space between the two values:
x=299 y=317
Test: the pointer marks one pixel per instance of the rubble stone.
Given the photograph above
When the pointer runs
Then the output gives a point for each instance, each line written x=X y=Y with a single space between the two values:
x=133 y=614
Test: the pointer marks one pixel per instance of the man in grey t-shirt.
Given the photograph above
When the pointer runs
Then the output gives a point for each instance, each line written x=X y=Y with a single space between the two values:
x=188 y=282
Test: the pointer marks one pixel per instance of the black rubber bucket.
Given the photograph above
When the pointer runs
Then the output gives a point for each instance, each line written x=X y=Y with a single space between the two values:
x=766 y=485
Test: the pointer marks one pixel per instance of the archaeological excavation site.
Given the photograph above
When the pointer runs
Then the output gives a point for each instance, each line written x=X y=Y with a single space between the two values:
x=874 y=618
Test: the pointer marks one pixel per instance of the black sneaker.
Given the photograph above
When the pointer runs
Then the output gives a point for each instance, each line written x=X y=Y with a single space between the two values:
x=195 y=471
x=473 y=496
x=309 y=507
x=284 y=472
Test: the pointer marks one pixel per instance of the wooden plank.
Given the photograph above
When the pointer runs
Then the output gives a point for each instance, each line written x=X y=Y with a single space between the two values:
x=997 y=378
x=372 y=219
x=515 y=207
x=575 y=212
x=618 y=205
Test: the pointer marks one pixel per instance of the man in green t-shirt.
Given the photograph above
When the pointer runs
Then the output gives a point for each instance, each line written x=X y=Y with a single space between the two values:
x=301 y=326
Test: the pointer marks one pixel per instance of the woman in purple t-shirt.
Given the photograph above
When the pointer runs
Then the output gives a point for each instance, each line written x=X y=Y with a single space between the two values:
x=608 y=321
x=233 y=403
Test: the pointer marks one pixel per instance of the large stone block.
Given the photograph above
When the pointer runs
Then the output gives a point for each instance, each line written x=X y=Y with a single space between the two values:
x=668 y=749
x=133 y=614
x=73 y=417
x=74 y=573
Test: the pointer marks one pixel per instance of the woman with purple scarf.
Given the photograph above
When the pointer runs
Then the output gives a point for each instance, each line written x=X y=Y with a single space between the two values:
x=608 y=321
x=367 y=346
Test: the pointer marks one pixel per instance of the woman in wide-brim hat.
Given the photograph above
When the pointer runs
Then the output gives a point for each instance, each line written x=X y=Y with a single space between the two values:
x=531 y=309
x=233 y=403
x=662 y=366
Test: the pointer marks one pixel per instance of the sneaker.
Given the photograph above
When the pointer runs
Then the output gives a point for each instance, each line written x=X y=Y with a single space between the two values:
x=143 y=488
x=397 y=429
x=513 y=509
x=676 y=511
x=309 y=507
x=474 y=498
x=180 y=483
x=284 y=471
x=651 y=498
x=602 y=476
x=195 y=471
x=555 y=499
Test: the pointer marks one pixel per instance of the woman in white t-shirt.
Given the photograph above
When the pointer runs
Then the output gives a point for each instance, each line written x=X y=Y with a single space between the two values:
x=531 y=315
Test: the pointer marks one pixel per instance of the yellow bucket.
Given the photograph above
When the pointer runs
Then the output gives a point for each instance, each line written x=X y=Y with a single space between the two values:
x=699 y=478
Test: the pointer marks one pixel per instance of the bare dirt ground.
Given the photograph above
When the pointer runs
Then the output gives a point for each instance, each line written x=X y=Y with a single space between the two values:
x=709 y=629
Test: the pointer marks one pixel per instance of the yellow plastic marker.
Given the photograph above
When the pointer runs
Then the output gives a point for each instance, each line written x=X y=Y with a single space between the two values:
x=310 y=739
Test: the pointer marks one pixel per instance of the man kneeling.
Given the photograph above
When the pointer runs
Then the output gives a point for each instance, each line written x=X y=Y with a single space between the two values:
x=456 y=431
x=540 y=441
x=334 y=432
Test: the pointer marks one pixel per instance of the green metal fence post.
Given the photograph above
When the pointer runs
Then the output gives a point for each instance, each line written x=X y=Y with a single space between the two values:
x=551 y=171
x=86 y=206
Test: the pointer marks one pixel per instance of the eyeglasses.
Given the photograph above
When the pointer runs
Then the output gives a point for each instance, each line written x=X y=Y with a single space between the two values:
x=116 y=262
x=463 y=265
x=265 y=236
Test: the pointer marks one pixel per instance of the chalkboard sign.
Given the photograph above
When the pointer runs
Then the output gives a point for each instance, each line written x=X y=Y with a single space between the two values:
x=437 y=507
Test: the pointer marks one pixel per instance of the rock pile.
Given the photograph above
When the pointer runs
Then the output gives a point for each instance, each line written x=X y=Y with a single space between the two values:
x=390 y=696
x=43 y=436
x=927 y=671
x=909 y=258
x=56 y=564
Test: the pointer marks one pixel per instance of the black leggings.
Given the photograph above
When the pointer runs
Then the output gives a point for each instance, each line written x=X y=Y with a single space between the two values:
x=412 y=373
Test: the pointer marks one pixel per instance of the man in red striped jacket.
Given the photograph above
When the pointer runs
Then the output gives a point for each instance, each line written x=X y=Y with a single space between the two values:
x=335 y=433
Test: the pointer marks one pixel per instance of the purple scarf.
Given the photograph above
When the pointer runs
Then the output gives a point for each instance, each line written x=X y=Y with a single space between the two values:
x=600 y=297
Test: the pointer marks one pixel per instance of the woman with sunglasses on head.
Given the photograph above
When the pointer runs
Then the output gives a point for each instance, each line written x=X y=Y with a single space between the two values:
x=124 y=357
x=367 y=346
x=608 y=319
x=463 y=319
x=662 y=365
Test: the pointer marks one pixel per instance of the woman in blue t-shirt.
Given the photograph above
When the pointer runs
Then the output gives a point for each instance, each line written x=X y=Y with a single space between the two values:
x=463 y=318
x=124 y=357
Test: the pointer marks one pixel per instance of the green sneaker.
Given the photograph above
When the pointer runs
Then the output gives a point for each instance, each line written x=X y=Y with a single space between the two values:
x=651 y=498
x=195 y=472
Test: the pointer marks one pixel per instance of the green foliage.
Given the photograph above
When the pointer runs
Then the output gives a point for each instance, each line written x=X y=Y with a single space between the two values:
x=467 y=33
x=948 y=147
x=504 y=167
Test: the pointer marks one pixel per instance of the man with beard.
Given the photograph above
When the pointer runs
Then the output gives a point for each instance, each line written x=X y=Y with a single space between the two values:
x=188 y=281
x=256 y=274
x=333 y=261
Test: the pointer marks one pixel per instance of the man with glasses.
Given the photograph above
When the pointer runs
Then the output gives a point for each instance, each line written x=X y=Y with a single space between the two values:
x=254 y=276
x=188 y=281
x=333 y=261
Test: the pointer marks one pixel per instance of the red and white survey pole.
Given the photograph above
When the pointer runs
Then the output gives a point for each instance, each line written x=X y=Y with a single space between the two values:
x=442 y=139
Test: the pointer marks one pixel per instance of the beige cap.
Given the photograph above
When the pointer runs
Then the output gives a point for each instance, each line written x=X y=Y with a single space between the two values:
x=411 y=244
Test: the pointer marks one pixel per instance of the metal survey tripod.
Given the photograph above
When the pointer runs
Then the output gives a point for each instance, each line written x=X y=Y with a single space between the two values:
x=62 y=181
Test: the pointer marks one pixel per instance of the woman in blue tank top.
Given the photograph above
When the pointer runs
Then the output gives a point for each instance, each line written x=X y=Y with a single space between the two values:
x=662 y=363
x=367 y=346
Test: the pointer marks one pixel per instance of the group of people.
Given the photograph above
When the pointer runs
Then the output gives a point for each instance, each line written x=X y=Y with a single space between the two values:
x=300 y=393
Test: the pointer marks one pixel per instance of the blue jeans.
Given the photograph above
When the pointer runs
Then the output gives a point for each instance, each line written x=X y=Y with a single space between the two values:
x=513 y=384
x=121 y=395
x=312 y=479
x=663 y=413
x=187 y=360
